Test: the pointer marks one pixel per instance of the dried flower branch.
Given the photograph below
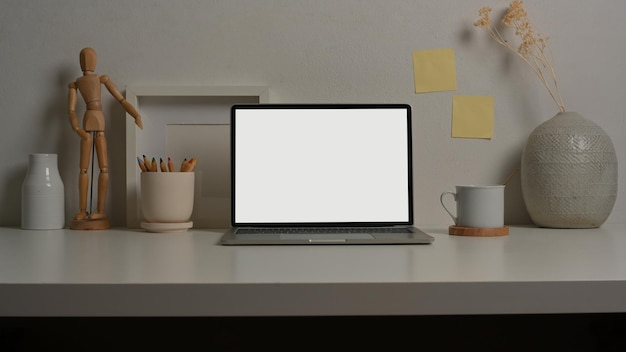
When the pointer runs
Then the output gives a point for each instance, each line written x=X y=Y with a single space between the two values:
x=534 y=48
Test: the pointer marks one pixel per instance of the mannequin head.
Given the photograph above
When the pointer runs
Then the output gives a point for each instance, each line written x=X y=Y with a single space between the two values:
x=88 y=59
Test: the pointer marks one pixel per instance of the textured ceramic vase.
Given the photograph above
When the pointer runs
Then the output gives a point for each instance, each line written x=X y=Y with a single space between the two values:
x=569 y=173
x=43 y=198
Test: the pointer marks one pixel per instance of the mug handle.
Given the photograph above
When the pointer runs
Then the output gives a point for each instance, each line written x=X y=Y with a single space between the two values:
x=454 y=218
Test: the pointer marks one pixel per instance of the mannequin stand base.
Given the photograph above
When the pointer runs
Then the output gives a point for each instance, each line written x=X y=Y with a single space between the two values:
x=90 y=224
x=478 y=232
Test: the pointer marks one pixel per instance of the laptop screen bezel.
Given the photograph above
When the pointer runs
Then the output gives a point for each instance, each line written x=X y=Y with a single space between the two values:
x=233 y=126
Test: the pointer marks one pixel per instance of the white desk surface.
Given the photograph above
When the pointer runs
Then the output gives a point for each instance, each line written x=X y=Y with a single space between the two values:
x=121 y=272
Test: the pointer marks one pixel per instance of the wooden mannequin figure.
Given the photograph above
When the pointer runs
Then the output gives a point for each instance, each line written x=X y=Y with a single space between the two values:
x=92 y=135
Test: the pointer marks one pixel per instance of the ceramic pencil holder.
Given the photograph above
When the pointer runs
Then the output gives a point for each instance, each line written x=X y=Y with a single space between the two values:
x=167 y=201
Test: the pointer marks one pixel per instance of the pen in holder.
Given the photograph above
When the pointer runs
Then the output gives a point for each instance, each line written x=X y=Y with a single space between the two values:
x=167 y=201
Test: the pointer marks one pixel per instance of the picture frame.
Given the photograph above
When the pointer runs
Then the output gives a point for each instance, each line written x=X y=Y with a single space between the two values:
x=168 y=110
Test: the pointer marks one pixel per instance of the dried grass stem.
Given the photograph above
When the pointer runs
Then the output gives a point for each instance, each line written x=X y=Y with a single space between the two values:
x=534 y=48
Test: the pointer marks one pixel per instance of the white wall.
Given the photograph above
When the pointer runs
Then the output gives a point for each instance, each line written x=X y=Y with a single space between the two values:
x=306 y=51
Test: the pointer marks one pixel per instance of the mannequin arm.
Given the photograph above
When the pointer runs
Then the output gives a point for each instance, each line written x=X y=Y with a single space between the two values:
x=118 y=96
x=72 y=112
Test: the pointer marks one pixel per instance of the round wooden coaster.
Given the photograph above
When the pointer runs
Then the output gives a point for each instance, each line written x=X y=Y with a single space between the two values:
x=478 y=232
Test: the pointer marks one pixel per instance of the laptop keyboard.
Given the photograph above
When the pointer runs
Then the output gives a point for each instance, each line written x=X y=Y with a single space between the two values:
x=323 y=230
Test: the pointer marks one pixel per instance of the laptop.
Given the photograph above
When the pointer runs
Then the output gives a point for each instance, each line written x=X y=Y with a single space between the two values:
x=321 y=174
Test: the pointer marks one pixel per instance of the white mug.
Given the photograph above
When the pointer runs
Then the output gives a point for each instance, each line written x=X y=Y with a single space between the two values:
x=477 y=206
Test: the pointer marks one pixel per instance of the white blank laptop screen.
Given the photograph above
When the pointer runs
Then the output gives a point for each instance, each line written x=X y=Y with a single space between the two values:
x=321 y=165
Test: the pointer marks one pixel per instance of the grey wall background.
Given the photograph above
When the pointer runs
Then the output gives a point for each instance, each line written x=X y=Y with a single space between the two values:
x=307 y=51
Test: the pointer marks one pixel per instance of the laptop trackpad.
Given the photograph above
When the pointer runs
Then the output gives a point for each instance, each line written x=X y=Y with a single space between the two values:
x=326 y=236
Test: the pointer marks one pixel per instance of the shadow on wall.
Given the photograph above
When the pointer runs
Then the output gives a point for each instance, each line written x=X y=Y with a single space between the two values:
x=50 y=136
x=515 y=212
x=116 y=137
x=12 y=210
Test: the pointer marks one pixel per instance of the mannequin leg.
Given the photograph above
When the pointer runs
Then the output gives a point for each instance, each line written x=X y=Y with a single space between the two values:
x=83 y=177
x=103 y=177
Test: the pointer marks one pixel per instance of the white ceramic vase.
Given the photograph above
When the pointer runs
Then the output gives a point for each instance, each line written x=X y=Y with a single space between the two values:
x=569 y=173
x=43 y=197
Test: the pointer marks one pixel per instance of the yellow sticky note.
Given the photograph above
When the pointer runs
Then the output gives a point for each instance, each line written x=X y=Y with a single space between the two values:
x=472 y=117
x=434 y=70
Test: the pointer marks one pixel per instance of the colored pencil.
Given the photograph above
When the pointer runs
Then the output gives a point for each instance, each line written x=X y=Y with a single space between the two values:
x=146 y=162
x=153 y=165
x=170 y=164
x=192 y=164
x=142 y=165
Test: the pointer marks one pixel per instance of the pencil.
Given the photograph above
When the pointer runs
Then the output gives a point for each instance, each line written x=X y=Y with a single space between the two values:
x=188 y=167
x=170 y=164
x=146 y=162
x=183 y=165
x=153 y=166
x=142 y=165
x=162 y=163
x=192 y=164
